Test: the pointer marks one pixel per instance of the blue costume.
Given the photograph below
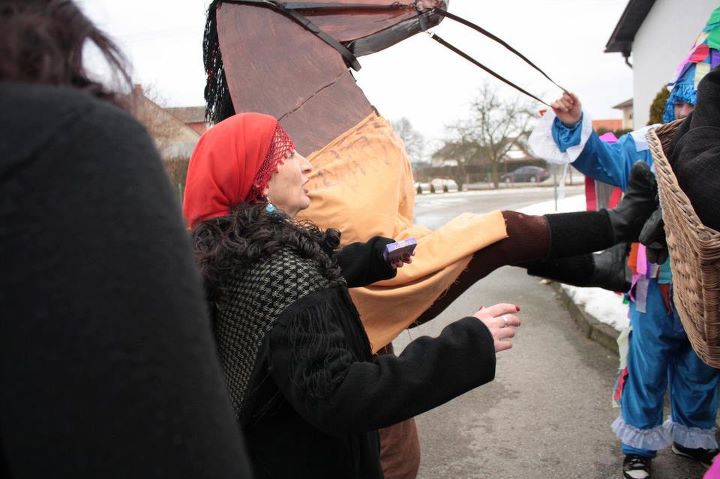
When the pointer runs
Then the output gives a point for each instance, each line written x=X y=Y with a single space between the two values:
x=659 y=354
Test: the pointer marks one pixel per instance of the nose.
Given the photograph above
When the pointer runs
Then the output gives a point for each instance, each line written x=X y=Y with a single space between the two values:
x=305 y=165
x=684 y=110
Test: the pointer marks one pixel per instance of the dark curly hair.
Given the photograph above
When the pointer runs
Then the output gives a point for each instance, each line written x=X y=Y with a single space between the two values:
x=230 y=244
x=42 y=41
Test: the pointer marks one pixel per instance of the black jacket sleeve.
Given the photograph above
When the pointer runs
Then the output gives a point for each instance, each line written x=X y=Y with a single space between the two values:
x=108 y=364
x=332 y=389
x=363 y=264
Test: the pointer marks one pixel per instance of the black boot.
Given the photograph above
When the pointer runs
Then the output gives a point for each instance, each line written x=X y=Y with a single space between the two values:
x=636 y=206
x=607 y=270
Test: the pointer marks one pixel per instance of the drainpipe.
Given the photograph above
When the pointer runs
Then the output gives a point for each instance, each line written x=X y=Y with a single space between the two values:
x=626 y=54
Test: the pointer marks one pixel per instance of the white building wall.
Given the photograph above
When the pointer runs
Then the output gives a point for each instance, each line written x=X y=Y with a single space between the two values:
x=661 y=43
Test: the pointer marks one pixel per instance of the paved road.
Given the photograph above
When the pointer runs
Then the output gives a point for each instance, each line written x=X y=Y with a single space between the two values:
x=548 y=412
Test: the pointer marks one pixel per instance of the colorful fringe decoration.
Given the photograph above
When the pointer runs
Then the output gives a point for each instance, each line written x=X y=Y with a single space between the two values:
x=703 y=57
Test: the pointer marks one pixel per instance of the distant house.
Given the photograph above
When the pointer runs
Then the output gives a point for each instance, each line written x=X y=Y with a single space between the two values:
x=453 y=153
x=626 y=108
x=175 y=140
x=607 y=125
x=192 y=116
x=447 y=155
x=658 y=35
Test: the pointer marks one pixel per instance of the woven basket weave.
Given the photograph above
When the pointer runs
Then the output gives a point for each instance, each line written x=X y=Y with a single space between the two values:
x=694 y=255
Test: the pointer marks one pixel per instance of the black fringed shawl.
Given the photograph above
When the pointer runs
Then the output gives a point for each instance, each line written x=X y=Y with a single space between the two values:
x=299 y=368
x=219 y=104
x=246 y=311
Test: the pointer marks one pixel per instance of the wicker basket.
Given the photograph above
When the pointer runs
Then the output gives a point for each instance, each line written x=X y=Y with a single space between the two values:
x=694 y=255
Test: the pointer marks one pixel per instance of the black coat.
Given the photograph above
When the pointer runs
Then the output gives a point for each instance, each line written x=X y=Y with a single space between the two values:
x=109 y=369
x=695 y=156
x=317 y=395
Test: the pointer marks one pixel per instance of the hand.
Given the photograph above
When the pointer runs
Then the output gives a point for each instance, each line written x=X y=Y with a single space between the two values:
x=653 y=237
x=501 y=321
x=568 y=109
x=423 y=5
x=400 y=262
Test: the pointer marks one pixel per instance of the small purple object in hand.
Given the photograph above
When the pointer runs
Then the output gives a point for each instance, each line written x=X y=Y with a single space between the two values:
x=399 y=249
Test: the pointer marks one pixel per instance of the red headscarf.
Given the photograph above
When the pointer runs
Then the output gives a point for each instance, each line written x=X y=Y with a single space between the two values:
x=232 y=163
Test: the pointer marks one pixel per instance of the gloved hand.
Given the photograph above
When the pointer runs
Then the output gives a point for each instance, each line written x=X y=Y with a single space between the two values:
x=652 y=236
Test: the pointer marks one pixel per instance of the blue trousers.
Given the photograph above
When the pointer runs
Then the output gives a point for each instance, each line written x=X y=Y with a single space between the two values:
x=660 y=356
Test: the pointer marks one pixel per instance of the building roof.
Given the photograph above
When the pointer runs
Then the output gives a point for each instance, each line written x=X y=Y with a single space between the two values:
x=608 y=125
x=188 y=114
x=173 y=137
x=632 y=18
x=624 y=105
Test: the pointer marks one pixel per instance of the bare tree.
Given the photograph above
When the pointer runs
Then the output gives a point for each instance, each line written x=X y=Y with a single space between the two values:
x=173 y=139
x=414 y=141
x=494 y=127
x=148 y=108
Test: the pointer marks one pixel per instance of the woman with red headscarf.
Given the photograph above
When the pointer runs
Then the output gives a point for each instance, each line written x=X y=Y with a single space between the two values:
x=299 y=367
x=306 y=388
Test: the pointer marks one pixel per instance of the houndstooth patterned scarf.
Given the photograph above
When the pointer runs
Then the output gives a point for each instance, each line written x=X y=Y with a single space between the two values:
x=248 y=306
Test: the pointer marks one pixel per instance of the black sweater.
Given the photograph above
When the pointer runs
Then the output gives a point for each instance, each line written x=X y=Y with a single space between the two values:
x=108 y=364
x=316 y=395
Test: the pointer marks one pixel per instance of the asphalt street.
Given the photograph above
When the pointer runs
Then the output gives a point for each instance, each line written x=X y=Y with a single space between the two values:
x=548 y=412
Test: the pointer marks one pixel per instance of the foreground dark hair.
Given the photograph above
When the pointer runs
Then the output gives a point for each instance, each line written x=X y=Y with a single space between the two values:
x=42 y=41
x=231 y=244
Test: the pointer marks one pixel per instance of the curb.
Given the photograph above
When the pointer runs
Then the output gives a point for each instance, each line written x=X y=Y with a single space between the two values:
x=593 y=329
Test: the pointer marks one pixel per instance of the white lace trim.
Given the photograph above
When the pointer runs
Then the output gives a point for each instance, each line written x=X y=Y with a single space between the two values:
x=651 y=439
x=543 y=145
x=692 y=437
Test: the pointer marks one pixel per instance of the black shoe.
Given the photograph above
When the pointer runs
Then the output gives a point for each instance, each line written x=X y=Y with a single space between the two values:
x=636 y=206
x=703 y=456
x=637 y=467
x=611 y=269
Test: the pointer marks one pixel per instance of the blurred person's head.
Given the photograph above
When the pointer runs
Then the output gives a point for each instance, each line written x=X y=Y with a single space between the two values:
x=703 y=57
x=43 y=41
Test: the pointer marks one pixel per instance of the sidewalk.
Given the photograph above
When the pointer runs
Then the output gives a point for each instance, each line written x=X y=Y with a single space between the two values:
x=602 y=333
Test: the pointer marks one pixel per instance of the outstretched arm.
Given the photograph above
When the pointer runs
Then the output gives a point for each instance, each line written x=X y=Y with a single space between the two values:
x=320 y=376
x=363 y=263
x=565 y=135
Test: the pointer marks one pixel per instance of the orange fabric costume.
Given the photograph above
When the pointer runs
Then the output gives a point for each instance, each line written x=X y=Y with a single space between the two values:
x=362 y=185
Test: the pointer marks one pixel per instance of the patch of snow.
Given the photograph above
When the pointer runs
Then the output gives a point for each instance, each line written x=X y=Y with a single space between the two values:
x=564 y=205
x=605 y=306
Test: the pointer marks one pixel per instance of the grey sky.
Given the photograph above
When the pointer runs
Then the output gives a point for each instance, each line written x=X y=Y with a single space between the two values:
x=418 y=78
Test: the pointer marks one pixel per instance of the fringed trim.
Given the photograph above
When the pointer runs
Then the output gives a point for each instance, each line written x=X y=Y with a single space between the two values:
x=651 y=439
x=320 y=353
x=217 y=94
x=543 y=144
x=692 y=437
